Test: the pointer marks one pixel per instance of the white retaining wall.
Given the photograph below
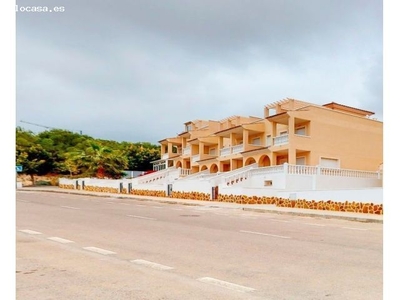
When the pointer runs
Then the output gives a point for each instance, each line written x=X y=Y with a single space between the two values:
x=192 y=186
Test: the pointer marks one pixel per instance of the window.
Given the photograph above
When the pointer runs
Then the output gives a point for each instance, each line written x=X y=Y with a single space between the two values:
x=300 y=130
x=256 y=141
x=301 y=161
x=268 y=183
x=329 y=162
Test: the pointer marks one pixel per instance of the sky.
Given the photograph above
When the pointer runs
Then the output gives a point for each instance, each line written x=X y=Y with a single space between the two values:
x=137 y=70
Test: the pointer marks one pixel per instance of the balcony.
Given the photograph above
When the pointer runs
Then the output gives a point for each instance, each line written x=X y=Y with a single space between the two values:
x=237 y=149
x=281 y=140
x=195 y=158
x=225 y=151
x=187 y=150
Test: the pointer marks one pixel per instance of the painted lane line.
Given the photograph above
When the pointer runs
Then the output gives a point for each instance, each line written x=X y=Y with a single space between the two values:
x=59 y=240
x=313 y=224
x=157 y=207
x=140 y=217
x=266 y=234
x=125 y=203
x=140 y=205
x=24 y=201
x=99 y=250
x=30 y=231
x=226 y=284
x=283 y=221
x=352 y=228
x=70 y=207
x=151 y=264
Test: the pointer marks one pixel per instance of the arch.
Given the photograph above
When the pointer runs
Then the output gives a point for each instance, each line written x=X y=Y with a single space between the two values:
x=249 y=161
x=178 y=164
x=213 y=168
x=203 y=168
x=264 y=161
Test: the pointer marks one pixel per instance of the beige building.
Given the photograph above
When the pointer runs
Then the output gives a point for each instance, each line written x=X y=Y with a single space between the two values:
x=291 y=131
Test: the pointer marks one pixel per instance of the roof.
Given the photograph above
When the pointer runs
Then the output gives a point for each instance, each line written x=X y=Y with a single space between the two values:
x=349 y=109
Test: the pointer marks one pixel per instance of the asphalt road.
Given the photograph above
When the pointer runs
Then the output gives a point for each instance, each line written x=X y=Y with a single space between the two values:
x=83 y=247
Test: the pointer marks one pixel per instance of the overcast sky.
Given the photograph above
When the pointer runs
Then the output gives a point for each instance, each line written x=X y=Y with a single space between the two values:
x=136 y=70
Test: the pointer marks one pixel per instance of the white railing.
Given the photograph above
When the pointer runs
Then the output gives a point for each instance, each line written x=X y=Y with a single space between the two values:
x=185 y=172
x=197 y=175
x=153 y=177
x=225 y=151
x=281 y=140
x=301 y=170
x=196 y=158
x=239 y=174
x=237 y=149
x=164 y=156
x=186 y=151
x=268 y=170
x=349 y=173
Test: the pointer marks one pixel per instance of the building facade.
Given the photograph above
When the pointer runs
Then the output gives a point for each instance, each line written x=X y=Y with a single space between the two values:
x=291 y=131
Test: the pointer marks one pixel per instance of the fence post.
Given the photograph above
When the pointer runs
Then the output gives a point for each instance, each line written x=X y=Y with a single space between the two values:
x=129 y=187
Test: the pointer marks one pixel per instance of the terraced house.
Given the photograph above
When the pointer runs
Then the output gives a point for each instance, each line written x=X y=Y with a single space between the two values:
x=297 y=154
x=291 y=131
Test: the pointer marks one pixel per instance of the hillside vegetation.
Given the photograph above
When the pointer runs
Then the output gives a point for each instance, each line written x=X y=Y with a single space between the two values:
x=64 y=153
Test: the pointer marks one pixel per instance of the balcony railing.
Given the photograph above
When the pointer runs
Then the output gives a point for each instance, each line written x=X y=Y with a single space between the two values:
x=196 y=158
x=281 y=140
x=237 y=149
x=225 y=151
x=186 y=151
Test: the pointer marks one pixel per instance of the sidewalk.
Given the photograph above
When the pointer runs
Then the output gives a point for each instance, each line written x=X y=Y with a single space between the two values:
x=261 y=208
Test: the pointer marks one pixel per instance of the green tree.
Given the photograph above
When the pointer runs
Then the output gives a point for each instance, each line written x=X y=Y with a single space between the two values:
x=140 y=156
x=34 y=160
x=99 y=161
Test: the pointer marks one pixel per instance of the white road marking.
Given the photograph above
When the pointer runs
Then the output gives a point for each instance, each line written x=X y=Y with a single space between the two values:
x=70 y=207
x=140 y=217
x=60 y=240
x=30 y=231
x=157 y=207
x=225 y=284
x=99 y=250
x=140 y=205
x=283 y=221
x=24 y=201
x=124 y=203
x=354 y=228
x=267 y=234
x=151 y=264
x=313 y=224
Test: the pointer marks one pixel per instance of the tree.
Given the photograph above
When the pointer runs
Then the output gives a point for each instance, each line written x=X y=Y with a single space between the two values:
x=141 y=155
x=100 y=162
x=34 y=160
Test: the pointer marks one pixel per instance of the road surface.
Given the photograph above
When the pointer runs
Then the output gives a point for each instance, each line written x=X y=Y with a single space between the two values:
x=85 y=247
